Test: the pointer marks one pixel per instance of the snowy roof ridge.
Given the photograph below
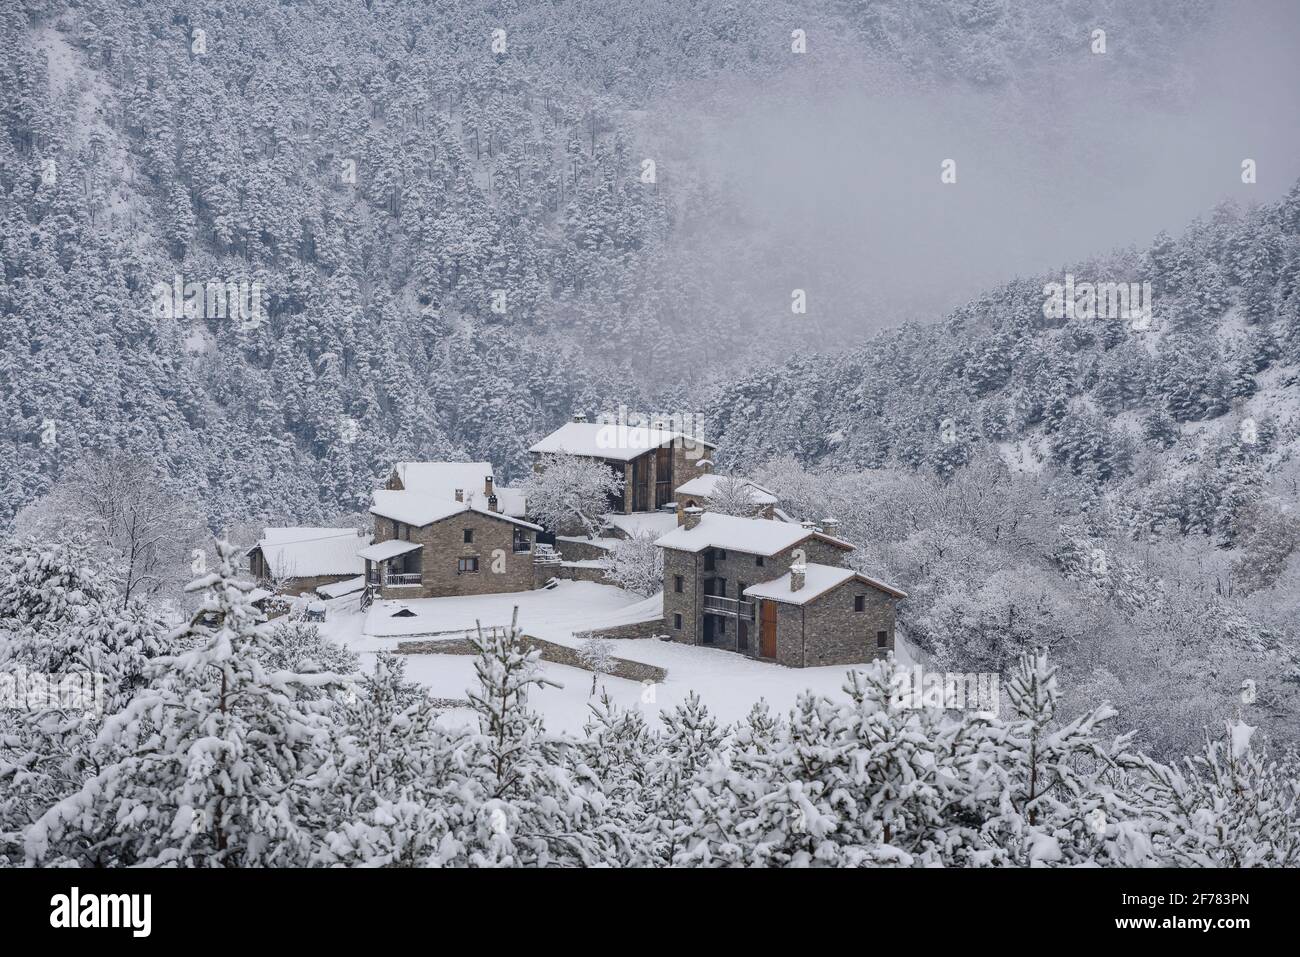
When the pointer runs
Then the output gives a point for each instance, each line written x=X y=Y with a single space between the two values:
x=707 y=485
x=420 y=509
x=609 y=440
x=818 y=580
x=754 y=536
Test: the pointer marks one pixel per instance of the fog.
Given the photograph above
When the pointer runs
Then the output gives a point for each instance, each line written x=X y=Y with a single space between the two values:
x=828 y=178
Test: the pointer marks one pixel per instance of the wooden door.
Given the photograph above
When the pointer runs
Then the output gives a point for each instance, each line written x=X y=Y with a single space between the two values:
x=767 y=634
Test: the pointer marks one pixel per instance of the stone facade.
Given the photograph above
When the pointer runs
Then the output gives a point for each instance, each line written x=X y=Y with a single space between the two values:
x=500 y=567
x=829 y=631
x=738 y=570
x=826 y=630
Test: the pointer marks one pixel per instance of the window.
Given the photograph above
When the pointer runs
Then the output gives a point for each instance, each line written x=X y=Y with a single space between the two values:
x=722 y=626
x=758 y=560
x=859 y=602
x=464 y=565
x=469 y=536
x=721 y=588
x=882 y=639
x=523 y=539
x=677 y=622
x=678 y=583
x=722 y=554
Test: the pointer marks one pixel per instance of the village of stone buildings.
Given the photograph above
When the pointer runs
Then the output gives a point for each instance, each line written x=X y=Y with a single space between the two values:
x=450 y=546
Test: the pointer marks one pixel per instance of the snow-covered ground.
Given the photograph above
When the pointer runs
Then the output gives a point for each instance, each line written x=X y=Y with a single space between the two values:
x=727 y=682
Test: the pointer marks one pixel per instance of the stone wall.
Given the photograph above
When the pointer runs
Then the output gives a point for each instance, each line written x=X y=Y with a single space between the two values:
x=500 y=567
x=579 y=573
x=654 y=628
x=557 y=654
x=838 y=635
x=296 y=586
x=579 y=551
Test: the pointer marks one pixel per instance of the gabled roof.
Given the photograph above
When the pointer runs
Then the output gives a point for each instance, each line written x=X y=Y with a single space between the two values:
x=441 y=479
x=609 y=440
x=706 y=486
x=512 y=501
x=308 y=552
x=818 y=580
x=419 y=509
x=755 y=536
x=383 y=551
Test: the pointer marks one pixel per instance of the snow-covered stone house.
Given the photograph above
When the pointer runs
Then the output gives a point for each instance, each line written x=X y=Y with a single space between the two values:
x=700 y=491
x=650 y=462
x=772 y=590
x=437 y=534
x=301 y=559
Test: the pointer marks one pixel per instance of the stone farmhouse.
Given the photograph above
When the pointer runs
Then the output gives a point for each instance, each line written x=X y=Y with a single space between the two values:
x=773 y=590
x=651 y=462
x=301 y=560
x=437 y=535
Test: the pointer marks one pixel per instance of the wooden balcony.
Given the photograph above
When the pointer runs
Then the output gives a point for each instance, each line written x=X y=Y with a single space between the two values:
x=404 y=578
x=717 y=605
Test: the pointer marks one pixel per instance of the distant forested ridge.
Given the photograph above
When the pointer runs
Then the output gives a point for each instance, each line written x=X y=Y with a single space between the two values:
x=388 y=178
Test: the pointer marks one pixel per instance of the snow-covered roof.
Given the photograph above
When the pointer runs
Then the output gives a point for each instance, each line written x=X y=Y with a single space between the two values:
x=609 y=440
x=512 y=502
x=706 y=486
x=345 y=587
x=307 y=552
x=441 y=479
x=653 y=524
x=817 y=581
x=755 y=536
x=419 y=509
x=382 y=551
x=302 y=533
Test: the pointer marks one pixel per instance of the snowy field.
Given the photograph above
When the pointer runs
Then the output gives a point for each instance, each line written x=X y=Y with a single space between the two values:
x=727 y=682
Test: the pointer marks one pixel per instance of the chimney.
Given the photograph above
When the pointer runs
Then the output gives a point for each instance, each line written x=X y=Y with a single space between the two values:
x=831 y=526
x=492 y=504
x=693 y=514
x=460 y=495
x=796 y=576
x=487 y=485
x=705 y=465
x=808 y=526
x=580 y=417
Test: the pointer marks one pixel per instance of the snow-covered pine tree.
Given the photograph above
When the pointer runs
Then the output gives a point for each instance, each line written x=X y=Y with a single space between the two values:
x=1231 y=806
x=207 y=766
x=394 y=803
x=688 y=744
x=523 y=805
